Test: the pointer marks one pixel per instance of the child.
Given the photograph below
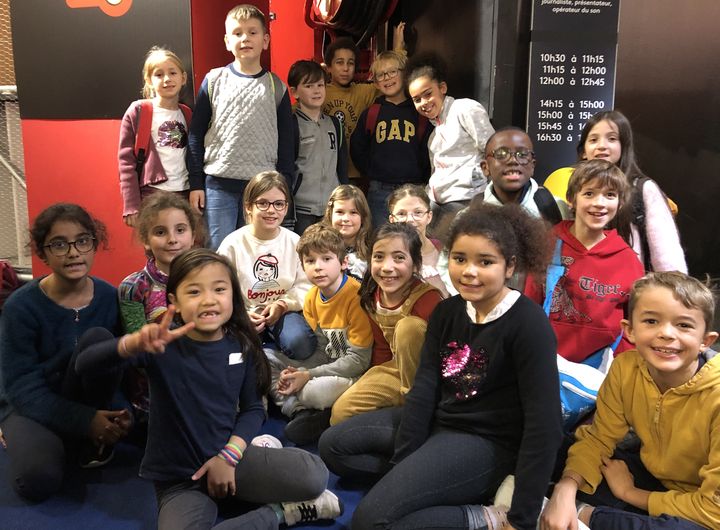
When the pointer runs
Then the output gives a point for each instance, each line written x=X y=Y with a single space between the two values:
x=462 y=127
x=167 y=227
x=485 y=399
x=241 y=126
x=646 y=222
x=321 y=156
x=667 y=391
x=389 y=144
x=46 y=410
x=161 y=165
x=270 y=273
x=332 y=308
x=348 y=211
x=410 y=204
x=509 y=163
x=198 y=449
x=346 y=100
x=399 y=304
x=589 y=300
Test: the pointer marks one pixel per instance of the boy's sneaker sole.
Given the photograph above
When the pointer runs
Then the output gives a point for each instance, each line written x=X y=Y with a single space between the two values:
x=326 y=506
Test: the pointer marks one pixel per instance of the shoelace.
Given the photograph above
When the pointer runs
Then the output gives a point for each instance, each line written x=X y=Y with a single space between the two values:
x=308 y=512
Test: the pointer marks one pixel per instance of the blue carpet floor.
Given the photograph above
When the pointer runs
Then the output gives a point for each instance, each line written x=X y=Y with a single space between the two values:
x=115 y=498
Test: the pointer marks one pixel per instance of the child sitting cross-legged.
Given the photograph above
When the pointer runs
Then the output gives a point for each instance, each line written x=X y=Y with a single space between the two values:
x=668 y=391
x=332 y=309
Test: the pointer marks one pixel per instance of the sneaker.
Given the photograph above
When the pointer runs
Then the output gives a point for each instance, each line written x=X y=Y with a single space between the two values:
x=267 y=440
x=92 y=456
x=326 y=506
x=504 y=494
x=307 y=426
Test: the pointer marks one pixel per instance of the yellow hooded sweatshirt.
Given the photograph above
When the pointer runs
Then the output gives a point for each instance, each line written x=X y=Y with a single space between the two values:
x=679 y=431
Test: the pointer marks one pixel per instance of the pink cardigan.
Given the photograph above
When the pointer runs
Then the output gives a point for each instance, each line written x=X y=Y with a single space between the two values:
x=153 y=172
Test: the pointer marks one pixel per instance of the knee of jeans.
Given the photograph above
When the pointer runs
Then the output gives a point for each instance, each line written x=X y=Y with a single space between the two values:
x=366 y=516
x=327 y=450
x=39 y=481
x=314 y=475
x=297 y=341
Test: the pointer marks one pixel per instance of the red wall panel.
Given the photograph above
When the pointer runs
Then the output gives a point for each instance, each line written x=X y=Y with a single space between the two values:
x=76 y=161
x=291 y=39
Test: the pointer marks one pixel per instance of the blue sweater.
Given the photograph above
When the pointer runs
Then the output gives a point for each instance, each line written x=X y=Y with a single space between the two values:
x=37 y=339
x=201 y=393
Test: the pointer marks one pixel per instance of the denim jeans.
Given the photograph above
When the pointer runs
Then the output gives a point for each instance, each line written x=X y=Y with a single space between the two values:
x=223 y=208
x=377 y=197
x=429 y=487
x=293 y=336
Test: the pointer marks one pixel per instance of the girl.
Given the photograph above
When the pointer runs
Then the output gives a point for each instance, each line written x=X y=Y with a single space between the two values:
x=271 y=276
x=646 y=221
x=485 y=399
x=410 y=204
x=45 y=409
x=197 y=449
x=462 y=127
x=161 y=162
x=167 y=226
x=399 y=304
x=348 y=211
x=598 y=267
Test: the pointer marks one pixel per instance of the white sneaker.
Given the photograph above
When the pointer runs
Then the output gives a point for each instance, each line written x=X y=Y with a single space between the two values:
x=504 y=494
x=266 y=440
x=326 y=506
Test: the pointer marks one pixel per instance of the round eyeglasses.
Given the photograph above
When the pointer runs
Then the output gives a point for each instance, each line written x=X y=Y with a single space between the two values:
x=388 y=74
x=415 y=216
x=61 y=248
x=263 y=205
x=502 y=154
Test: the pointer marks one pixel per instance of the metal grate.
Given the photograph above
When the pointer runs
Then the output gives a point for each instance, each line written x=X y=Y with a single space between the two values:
x=13 y=190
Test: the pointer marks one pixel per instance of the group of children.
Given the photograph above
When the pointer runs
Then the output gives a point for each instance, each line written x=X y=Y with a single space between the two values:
x=353 y=334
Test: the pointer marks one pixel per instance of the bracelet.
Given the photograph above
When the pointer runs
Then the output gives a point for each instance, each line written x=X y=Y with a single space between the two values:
x=122 y=347
x=231 y=453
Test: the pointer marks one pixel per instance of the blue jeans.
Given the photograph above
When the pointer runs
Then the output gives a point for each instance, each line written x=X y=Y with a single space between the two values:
x=429 y=487
x=293 y=336
x=223 y=207
x=377 y=197
x=613 y=514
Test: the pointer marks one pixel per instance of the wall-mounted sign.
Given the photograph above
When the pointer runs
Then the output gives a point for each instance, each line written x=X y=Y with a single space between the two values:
x=572 y=74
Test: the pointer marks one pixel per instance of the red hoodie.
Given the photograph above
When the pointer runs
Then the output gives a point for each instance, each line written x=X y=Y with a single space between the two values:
x=590 y=299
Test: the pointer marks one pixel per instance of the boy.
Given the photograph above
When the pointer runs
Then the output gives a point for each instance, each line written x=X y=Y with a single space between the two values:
x=668 y=392
x=320 y=154
x=345 y=99
x=332 y=309
x=389 y=144
x=241 y=126
x=510 y=162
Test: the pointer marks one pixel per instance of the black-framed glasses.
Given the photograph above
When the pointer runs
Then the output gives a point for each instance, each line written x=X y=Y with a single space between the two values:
x=61 y=247
x=263 y=205
x=388 y=74
x=415 y=216
x=502 y=154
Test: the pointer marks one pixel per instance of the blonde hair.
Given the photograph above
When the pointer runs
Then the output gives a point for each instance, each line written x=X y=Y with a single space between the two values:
x=347 y=192
x=154 y=57
x=244 y=12
x=262 y=183
x=385 y=57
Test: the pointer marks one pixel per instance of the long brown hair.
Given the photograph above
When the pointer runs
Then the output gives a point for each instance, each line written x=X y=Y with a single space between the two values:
x=348 y=192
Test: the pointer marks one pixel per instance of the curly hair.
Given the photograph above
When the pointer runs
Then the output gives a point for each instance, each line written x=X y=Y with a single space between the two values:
x=64 y=211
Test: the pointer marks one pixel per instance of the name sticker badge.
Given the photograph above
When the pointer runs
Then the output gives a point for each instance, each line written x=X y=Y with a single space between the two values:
x=235 y=358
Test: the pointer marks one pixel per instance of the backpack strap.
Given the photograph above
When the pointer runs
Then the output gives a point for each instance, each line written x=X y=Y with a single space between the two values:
x=547 y=206
x=276 y=82
x=187 y=112
x=372 y=118
x=555 y=271
x=422 y=127
x=638 y=219
x=339 y=131
x=142 y=136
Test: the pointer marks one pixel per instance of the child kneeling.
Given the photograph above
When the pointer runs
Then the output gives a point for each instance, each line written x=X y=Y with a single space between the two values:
x=668 y=392
x=332 y=309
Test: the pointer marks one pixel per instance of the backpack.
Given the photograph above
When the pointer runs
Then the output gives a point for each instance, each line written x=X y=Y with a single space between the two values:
x=8 y=281
x=547 y=206
x=372 y=118
x=142 y=136
x=638 y=217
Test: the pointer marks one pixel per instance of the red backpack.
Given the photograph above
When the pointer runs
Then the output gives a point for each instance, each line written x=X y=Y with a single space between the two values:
x=142 y=137
x=8 y=281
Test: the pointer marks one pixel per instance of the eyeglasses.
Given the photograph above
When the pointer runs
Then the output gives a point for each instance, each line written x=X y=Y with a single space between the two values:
x=279 y=205
x=61 y=248
x=502 y=154
x=403 y=217
x=388 y=74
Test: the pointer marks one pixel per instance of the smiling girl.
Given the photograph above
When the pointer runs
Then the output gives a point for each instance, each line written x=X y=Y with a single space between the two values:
x=485 y=401
x=348 y=211
x=162 y=164
x=271 y=276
